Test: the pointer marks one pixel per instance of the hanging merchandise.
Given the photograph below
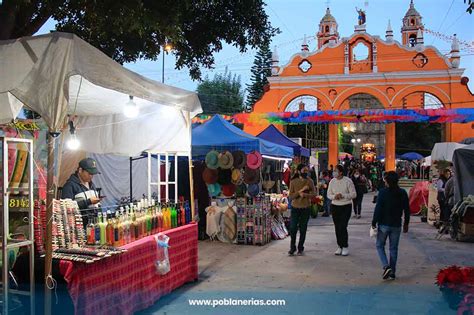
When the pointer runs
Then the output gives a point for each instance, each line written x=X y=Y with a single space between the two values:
x=457 y=115
x=226 y=160
x=240 y=159
x=212 y=160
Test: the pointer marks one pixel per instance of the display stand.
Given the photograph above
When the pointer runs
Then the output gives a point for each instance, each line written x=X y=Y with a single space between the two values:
x=17 y=201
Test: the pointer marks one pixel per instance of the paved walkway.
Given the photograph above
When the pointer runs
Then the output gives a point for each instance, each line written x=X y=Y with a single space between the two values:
x=320 y=282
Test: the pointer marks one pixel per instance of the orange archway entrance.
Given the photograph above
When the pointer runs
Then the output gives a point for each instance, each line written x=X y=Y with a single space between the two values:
x=396 y=76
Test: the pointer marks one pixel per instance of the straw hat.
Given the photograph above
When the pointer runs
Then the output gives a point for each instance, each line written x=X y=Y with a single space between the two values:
x=209 y=176
x=228 y=190
x=240 y=159
x=254 y=160
x=214 y=190
x=224 y=177
x=253 y=190
x=251 y=176
x=212 y=159
x=226 y=160
x=237 y=176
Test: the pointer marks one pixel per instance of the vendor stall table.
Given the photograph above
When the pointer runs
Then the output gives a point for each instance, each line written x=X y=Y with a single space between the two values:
x=129 y=282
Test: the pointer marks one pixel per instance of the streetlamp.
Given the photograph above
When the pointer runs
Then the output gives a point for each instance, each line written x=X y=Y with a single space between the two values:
x=166 y=48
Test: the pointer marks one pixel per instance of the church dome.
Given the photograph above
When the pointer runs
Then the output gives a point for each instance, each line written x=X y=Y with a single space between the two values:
x=328 y=17
x=412 y=11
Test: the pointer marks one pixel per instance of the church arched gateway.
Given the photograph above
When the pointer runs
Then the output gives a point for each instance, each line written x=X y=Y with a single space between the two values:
x=398 y=75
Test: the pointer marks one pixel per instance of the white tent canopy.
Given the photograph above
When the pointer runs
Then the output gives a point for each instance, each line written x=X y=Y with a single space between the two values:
x=59 y=74
x=444 y=151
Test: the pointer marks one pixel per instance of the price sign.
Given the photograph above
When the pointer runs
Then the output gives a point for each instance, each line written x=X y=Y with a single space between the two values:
x=18 y=202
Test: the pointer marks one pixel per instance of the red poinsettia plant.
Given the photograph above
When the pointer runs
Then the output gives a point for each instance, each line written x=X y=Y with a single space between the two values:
x=453 y=276
x=317 y=200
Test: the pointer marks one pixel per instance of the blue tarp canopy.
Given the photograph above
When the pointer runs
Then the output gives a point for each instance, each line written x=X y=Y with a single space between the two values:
x=218 y=134
x=272 y=134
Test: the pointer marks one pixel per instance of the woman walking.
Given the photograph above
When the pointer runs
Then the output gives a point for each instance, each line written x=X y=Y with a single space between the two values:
x=392 y=203
x=301 y=191
x=360 y=183
x=341 y=191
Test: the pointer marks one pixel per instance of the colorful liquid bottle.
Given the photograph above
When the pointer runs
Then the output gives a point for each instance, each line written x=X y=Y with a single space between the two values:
x=120 y=227
x=116 y=231
x=148 y=219
x=109 y=229
x=97 y=229
x=174 y=216
x=178 y=213
x=102 y=226
x=136 y=224
x=126 y=227
x=187 y=208
x=90 y=233
x=160 y=218
x=183 y=214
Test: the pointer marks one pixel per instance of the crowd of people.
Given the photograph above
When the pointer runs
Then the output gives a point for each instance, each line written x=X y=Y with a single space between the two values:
x=343 y=188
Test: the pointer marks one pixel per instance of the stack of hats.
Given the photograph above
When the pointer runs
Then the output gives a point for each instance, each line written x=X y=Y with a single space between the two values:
x=233 y=173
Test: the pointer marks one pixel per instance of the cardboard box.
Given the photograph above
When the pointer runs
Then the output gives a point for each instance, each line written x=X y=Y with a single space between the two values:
x=467 y=229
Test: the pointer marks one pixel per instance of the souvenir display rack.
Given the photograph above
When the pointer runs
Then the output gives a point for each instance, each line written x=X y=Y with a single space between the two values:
x=17 y=201
x=254 y=220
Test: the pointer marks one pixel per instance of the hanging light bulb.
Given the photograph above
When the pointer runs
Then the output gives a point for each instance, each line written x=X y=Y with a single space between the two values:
x=131 y=109
x=73 y=143
x=353 y=140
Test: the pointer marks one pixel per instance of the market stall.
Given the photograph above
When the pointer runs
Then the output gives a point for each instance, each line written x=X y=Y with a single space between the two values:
x=272 y=134
x=76 y=88
x=236 y=168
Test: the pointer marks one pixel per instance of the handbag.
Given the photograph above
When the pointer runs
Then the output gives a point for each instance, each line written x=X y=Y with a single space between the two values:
x=373 y=232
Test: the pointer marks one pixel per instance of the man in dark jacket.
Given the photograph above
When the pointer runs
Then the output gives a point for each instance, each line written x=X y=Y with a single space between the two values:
x=392 y=204
x=79 y=187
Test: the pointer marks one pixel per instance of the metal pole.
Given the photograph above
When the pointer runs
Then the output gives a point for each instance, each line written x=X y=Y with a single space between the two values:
x=51 y=192
x=163 y=69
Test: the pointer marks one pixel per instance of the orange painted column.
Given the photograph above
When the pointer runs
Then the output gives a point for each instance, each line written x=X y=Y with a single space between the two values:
x=390 y=164
x=333 y=145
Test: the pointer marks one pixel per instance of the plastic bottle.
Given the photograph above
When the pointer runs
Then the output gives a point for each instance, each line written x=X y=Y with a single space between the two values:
x=174 y=216
x=160 y=218
x=116 y=231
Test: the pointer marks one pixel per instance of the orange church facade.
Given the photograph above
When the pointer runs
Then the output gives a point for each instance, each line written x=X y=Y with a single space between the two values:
x=398 y=75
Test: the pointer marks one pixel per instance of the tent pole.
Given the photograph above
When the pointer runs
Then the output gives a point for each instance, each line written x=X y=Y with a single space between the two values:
x=190 y=167
x=51 y=189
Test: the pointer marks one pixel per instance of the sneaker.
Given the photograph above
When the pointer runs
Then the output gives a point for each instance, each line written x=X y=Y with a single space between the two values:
x=325 y=215
x=300 y=253
x=291 y=252
x=358 y=217
x=345 y=251
x=387 y=271
x=354 y=216
x=338 y=252
x=391 y=276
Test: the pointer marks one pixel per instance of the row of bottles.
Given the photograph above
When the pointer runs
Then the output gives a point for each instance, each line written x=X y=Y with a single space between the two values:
x=134 y=221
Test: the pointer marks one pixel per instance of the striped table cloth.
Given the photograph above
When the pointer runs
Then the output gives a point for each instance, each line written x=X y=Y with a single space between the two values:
x=126 y=283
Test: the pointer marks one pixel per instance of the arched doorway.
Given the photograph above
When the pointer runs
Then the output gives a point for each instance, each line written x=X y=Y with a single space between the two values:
x=417 y=136
x=355 y=136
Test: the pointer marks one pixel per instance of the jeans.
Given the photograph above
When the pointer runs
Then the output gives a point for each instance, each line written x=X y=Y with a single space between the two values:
x=393 y=234
x=357 y=203
x=326 y=204
x=299 y=220
x=340 y=217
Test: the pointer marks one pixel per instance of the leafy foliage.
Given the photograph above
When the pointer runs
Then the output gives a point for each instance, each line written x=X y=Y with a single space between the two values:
x=261 y=69
x=128 y=30
x=221 y=95
x=417 y=137
x=470 y=6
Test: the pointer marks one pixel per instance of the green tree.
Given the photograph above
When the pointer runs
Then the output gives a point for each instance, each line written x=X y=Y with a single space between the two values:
x=261 y=69
x=128 y=30
x=470 y=6
x=417 y=137
x=221 y=95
